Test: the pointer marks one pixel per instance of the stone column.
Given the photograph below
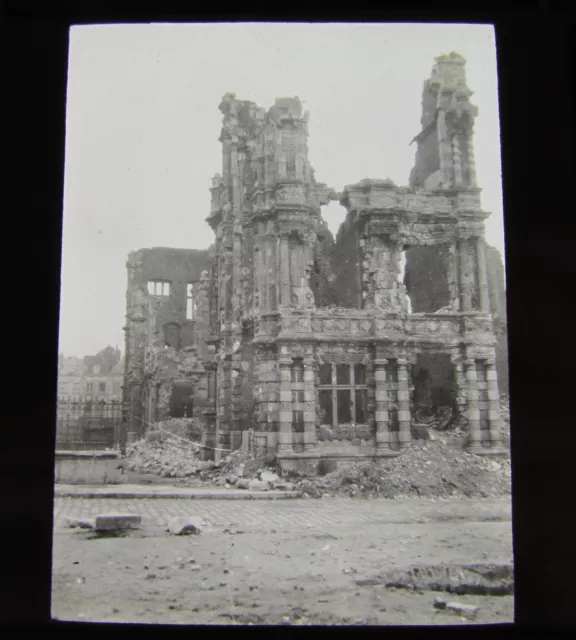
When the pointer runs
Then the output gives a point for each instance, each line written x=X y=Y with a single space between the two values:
x=404 y=418
x=381 y=394
x=471 y=159
x=461 y=385
x=285 y=441
x=310 y=405
x=457 y=157
x=284 y=265
x=483 y=292
x=209 y=413
x=474 y=433
x=494 y=417
x=465 y=293
x=445 y=150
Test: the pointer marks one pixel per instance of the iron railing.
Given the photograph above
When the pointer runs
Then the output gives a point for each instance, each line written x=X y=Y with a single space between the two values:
x=84 y=423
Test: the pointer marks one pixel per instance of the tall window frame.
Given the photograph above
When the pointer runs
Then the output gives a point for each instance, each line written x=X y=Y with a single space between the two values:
x=343 y=394
x=191 y=301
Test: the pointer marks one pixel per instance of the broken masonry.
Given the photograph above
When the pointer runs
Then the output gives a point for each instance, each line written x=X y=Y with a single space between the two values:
x=285 y=340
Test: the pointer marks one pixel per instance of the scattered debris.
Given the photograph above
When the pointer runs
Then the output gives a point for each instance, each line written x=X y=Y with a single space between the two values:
x=465 y=610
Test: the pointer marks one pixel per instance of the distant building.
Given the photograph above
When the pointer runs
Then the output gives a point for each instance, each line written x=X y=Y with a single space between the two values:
x=90 y=378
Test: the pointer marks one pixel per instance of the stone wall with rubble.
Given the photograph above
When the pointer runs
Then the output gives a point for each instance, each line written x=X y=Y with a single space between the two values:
x=164 y=347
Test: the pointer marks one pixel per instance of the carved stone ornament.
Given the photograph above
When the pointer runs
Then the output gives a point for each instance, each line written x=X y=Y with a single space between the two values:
x=310 y=302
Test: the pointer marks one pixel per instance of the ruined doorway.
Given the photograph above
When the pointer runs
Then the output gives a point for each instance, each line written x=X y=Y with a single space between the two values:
x=434 y=385
x=182 y=400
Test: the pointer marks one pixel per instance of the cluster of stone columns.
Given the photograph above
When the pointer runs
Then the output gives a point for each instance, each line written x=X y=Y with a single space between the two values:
x=383 y=434
x=286 y=414
x=475 y=440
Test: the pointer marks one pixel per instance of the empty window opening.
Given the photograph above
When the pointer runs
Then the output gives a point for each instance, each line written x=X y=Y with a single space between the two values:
x=181 y=400
x=298 y=421
x=392 y=384
x=426 y=278
x=102 y=387
x=342 y=394
x=345 y=280
x=297 y=373
x=325 y=374
x=402 y=282
x=434 y=384
x=158 y=288
x=172 y=336
x=334 y=215
x=191 y=306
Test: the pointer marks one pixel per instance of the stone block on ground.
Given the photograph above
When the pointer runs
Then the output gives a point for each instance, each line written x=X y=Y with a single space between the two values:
x=243 y=483
x=465 y=610
x=184 y=526
x=258 y=485
x=423 y=432
x=269 y=477
x=284 y=486
x=116 y=521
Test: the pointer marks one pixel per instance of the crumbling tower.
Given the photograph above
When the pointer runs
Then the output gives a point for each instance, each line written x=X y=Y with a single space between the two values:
x=438 y=224
x=445 y=152
x=265 y=213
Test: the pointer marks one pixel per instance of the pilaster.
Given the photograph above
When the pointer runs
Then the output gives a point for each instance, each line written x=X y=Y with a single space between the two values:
x=473 y=413
x=286 y=415
x=309 y=404
x=482 y=276
x=381 y=395
x=494 y=417
x=404 y=417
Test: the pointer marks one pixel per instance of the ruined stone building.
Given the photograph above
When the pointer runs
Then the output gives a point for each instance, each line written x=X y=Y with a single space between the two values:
x=323 y=347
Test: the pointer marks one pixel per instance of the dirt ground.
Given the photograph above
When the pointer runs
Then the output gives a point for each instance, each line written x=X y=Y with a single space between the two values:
x=299 y=575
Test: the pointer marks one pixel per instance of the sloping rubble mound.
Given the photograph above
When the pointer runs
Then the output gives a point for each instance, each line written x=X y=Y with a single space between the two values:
x=168 y=457
x=169 y=450
x=430 y=469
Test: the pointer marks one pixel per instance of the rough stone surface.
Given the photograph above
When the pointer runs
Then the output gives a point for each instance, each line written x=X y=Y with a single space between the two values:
x=184 y=526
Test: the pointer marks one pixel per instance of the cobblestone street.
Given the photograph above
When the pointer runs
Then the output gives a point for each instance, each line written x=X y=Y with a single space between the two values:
x=259 y=515
x=295 y=560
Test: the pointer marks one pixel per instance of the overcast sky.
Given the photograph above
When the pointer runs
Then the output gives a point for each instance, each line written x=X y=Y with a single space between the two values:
x=143 y=125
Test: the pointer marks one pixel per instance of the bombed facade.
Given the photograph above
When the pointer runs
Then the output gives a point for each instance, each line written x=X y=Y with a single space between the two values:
x=322 y=347
x=165 y=322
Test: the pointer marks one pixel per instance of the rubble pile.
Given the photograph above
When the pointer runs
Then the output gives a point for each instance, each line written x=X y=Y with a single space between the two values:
x=167 y=456
x=431 y=470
